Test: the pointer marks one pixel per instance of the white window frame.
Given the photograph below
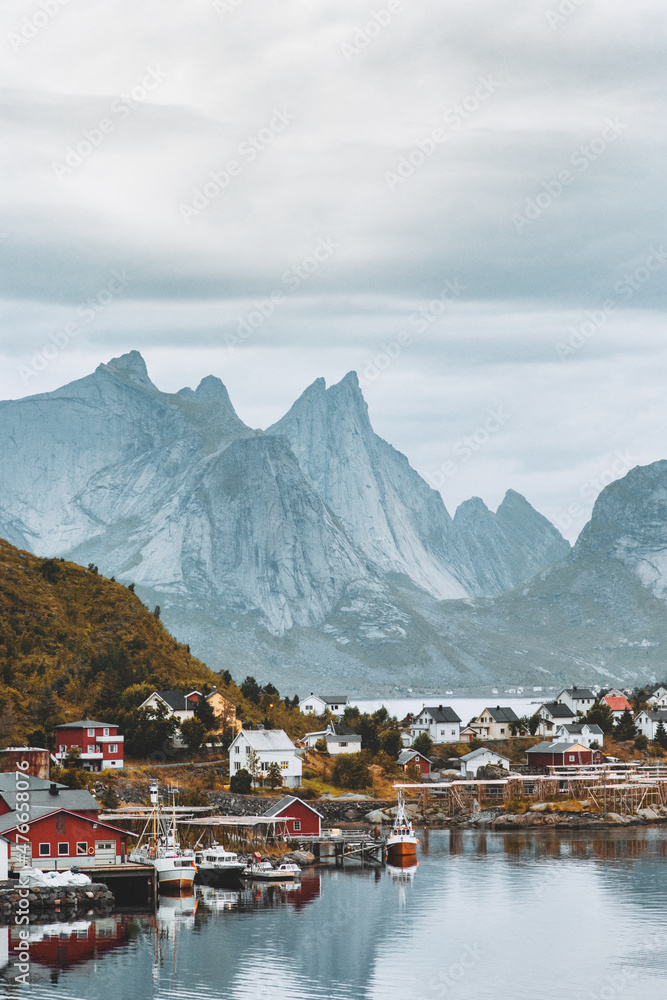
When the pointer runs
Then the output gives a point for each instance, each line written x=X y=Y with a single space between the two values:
x=105 y=732
x=47 y=852
x=237 y=765
x=90 y=732
x=91 y=748
x=284 y=765
x=113 y=748
x=81 y=847
x=297 y=825
x=65 y=844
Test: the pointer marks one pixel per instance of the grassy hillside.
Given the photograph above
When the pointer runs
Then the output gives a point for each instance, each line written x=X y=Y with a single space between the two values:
x=73 y=643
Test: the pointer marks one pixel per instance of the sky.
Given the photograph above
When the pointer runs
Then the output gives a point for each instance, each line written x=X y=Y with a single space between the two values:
x=463 y=202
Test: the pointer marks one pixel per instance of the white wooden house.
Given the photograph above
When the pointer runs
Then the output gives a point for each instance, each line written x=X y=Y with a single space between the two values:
x=440 y=722
x=648 y=720
x=471 y=762
x=584 y=733
x=270 y=745
x=576 y=698
x=318 y=704
x=552 y=715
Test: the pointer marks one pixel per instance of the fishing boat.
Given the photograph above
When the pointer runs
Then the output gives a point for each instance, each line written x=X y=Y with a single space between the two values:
x=158 y=846
x=216 y=864
x=401 y=842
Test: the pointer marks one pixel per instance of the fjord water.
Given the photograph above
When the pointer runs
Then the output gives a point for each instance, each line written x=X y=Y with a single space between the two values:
x=487 y=916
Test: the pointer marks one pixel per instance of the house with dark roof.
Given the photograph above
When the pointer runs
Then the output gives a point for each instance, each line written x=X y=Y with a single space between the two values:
x=648 y=720
x=412 y=758
x=318 y=704
x=471 y=762
x=99 y=743
x=440 y=722
x=338 y=739
x=300 y=817
x=576 y=698
x=63 y=825
x=496 y=723
x=561 y=754
x=552 y=714
x=181 y=706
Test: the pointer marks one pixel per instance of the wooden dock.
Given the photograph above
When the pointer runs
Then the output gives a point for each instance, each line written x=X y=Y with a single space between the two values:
x=135 y=887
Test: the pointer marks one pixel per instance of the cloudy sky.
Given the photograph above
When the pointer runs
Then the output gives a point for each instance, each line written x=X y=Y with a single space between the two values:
x=463 y=201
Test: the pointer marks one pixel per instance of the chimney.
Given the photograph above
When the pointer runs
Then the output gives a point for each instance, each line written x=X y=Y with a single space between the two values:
x=53 y=789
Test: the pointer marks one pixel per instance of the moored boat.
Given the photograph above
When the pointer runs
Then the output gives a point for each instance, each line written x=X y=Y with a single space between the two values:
x=263 y=871
x=175 y=867
x=401 y=842
x=216 y=864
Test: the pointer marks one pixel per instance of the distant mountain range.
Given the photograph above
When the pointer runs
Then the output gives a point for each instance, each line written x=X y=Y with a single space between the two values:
x=314 y=552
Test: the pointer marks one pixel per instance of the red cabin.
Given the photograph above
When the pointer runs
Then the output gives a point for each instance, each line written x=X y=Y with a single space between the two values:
x=410 y=758
x=99 y=743
x=300 y=818
x=60 y=839
x=563 y=755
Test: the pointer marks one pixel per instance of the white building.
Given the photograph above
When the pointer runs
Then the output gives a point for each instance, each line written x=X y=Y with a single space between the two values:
x=648 y=721
x=337 y=740
x=584 y=733
x=440 y=722
x=270 y=745
x=471 y=762
x=551 y=715
x=659 y=698
x=576 y=698
x=318 y=704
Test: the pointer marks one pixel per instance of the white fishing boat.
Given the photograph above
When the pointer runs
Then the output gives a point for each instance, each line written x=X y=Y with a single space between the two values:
x=215 y=863
x=159 y=847
x=263 y=871
x=401 y=842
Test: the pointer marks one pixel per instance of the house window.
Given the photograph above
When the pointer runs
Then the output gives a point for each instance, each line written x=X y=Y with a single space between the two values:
x=44 y=850
x=237 y=765
x=63 y=848
x=62 y=748
x=502 y=730
x=113 y=748
x=105 y=732
x=91 y=748
x=237 y=749
x=90 y=732
x=247 y=749
x=342 y=744
x=571 y=756
x=284 y=764
x=82 y=847
x=297 y=825
x=453 y=732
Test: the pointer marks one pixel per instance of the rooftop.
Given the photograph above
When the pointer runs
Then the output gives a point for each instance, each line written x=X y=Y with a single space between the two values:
x=440 y=713
x=86 y=724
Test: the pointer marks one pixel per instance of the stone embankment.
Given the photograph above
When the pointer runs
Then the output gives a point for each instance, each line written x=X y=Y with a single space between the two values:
x=15 y=899
x=334 y=811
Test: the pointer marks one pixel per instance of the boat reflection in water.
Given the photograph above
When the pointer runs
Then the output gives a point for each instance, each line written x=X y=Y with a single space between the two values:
x=259 y=895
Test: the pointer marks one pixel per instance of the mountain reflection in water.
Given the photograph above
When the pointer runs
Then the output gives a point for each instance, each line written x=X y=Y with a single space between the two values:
x=482 y=917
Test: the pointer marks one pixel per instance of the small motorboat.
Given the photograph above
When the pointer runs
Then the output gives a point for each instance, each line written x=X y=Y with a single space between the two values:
x=401 y=842
x=263 y=871
x=215 y=864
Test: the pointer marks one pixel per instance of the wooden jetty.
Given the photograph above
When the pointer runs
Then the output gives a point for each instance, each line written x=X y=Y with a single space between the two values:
x=134 y=886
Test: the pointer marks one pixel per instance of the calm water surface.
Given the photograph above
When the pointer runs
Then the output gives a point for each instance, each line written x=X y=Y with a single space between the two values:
x=485 y=916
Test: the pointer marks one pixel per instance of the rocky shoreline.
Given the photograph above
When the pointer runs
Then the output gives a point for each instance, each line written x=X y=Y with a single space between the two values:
x=16 y=900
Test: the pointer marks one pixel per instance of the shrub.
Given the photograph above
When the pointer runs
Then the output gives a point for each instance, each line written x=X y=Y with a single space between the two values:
x=350 y=771
x=241 y=782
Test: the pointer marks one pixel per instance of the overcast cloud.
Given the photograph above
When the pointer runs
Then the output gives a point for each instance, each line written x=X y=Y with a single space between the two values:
x=465 y=202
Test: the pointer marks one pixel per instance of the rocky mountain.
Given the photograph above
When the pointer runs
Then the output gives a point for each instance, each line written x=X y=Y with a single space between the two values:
x=395 y=518
x=312 y=546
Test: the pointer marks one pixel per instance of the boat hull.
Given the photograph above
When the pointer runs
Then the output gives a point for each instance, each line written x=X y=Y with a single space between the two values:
x=401 y=849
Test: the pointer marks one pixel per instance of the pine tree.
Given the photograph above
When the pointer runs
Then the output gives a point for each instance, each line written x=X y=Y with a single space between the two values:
x=661 y=735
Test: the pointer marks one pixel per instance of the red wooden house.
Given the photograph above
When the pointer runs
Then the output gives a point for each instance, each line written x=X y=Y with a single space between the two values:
x=410 y=758
x=563 y=755
x=300 y=818
x=63 y=825
x=99 y=743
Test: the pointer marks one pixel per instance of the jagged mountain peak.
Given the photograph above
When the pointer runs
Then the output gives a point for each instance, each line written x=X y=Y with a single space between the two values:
x=212 y=389
x=132 y=367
